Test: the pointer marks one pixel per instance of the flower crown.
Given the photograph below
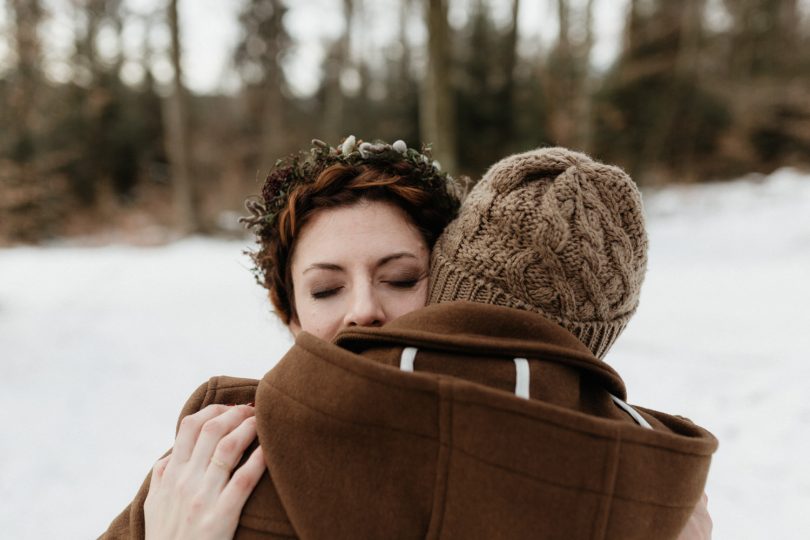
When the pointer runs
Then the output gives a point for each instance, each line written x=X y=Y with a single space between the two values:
x=304 y=168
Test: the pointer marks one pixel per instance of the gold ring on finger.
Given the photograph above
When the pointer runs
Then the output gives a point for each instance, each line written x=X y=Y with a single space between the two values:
x=221 y=464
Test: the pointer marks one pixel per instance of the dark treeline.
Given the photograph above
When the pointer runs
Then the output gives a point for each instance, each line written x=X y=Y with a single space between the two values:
x=700 y=90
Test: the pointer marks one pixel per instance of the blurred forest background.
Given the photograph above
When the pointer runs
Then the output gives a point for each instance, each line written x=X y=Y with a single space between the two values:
x=99 y=138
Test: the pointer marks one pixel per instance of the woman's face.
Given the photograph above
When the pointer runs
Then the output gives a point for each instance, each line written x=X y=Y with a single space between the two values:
x=359 y=265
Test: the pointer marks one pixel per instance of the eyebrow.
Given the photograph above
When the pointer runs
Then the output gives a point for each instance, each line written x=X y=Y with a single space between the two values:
x=337 y=268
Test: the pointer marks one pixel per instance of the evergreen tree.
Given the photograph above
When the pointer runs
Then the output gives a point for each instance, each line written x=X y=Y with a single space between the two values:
x=653 y=114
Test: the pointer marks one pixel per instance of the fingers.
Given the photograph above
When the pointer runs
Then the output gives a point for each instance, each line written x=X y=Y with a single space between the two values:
x=191 y=496
x=213 y=431
x=189 y=431
x=699 y=526
x=242 y=482
x=228 y=452
x=708 y=524
x=158 y=469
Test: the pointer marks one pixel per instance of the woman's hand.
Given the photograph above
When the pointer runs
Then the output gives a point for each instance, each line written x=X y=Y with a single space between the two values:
x=699 y=526
x=194 y=491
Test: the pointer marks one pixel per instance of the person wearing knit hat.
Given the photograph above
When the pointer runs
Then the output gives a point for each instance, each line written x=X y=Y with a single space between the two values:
x=553 y=232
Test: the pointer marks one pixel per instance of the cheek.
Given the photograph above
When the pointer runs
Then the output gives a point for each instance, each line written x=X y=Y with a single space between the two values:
x=410 y=302
x=322 y=319
x=320 y=324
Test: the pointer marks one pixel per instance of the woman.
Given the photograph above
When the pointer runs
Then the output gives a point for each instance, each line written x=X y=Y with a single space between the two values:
x=358 y=238
x=344 y=237
x=379 y=275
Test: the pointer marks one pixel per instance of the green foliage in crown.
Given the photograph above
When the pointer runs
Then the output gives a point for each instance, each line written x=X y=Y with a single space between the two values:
x=304 y=167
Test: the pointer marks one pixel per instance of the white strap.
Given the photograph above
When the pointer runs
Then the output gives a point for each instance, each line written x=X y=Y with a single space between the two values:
x=522 y=378
x=631 y=411
x=407 y=358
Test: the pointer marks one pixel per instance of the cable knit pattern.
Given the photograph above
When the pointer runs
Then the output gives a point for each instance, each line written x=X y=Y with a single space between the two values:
x=550 y=231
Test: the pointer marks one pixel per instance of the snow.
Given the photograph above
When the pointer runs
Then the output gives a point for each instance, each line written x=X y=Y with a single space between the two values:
x=100 y=347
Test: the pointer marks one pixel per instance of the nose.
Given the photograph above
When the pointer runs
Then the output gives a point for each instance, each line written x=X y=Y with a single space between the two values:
x=365 y=308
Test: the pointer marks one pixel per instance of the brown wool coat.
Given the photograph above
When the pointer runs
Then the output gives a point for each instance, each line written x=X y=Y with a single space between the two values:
x=357 y=448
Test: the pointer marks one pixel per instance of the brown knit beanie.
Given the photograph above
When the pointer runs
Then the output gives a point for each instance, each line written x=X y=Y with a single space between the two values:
x=553 y=232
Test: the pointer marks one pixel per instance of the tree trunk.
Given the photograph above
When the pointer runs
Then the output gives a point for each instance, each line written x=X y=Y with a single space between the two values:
x=688 y=68
x=685 y=18
x=117 y=17
x=272 y=127
x=25 y=80
x=177 y=118
x=436 y=111
x=561 y=83
x=404 y=73
x=508 y=91
x=584 y=105
x=630 y=39
x=25 y=213
x=336 y=64
x=563 y=16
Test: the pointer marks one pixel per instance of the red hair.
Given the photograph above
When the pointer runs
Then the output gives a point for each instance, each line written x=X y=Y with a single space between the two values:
x=342 y=185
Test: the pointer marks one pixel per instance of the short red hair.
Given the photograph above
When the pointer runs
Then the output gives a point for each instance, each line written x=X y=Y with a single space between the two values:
x=339 y=185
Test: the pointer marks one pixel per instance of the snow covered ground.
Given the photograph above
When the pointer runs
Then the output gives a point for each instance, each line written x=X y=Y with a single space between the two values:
x=99 y=348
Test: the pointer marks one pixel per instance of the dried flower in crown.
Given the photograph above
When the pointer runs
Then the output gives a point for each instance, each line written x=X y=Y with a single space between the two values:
x=304 y=167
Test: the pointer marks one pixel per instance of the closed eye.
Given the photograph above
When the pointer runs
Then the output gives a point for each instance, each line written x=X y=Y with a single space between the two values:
x=403 y=284
x=326 y=293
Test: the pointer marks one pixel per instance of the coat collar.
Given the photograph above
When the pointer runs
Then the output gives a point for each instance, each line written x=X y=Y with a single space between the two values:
x=467 y=327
